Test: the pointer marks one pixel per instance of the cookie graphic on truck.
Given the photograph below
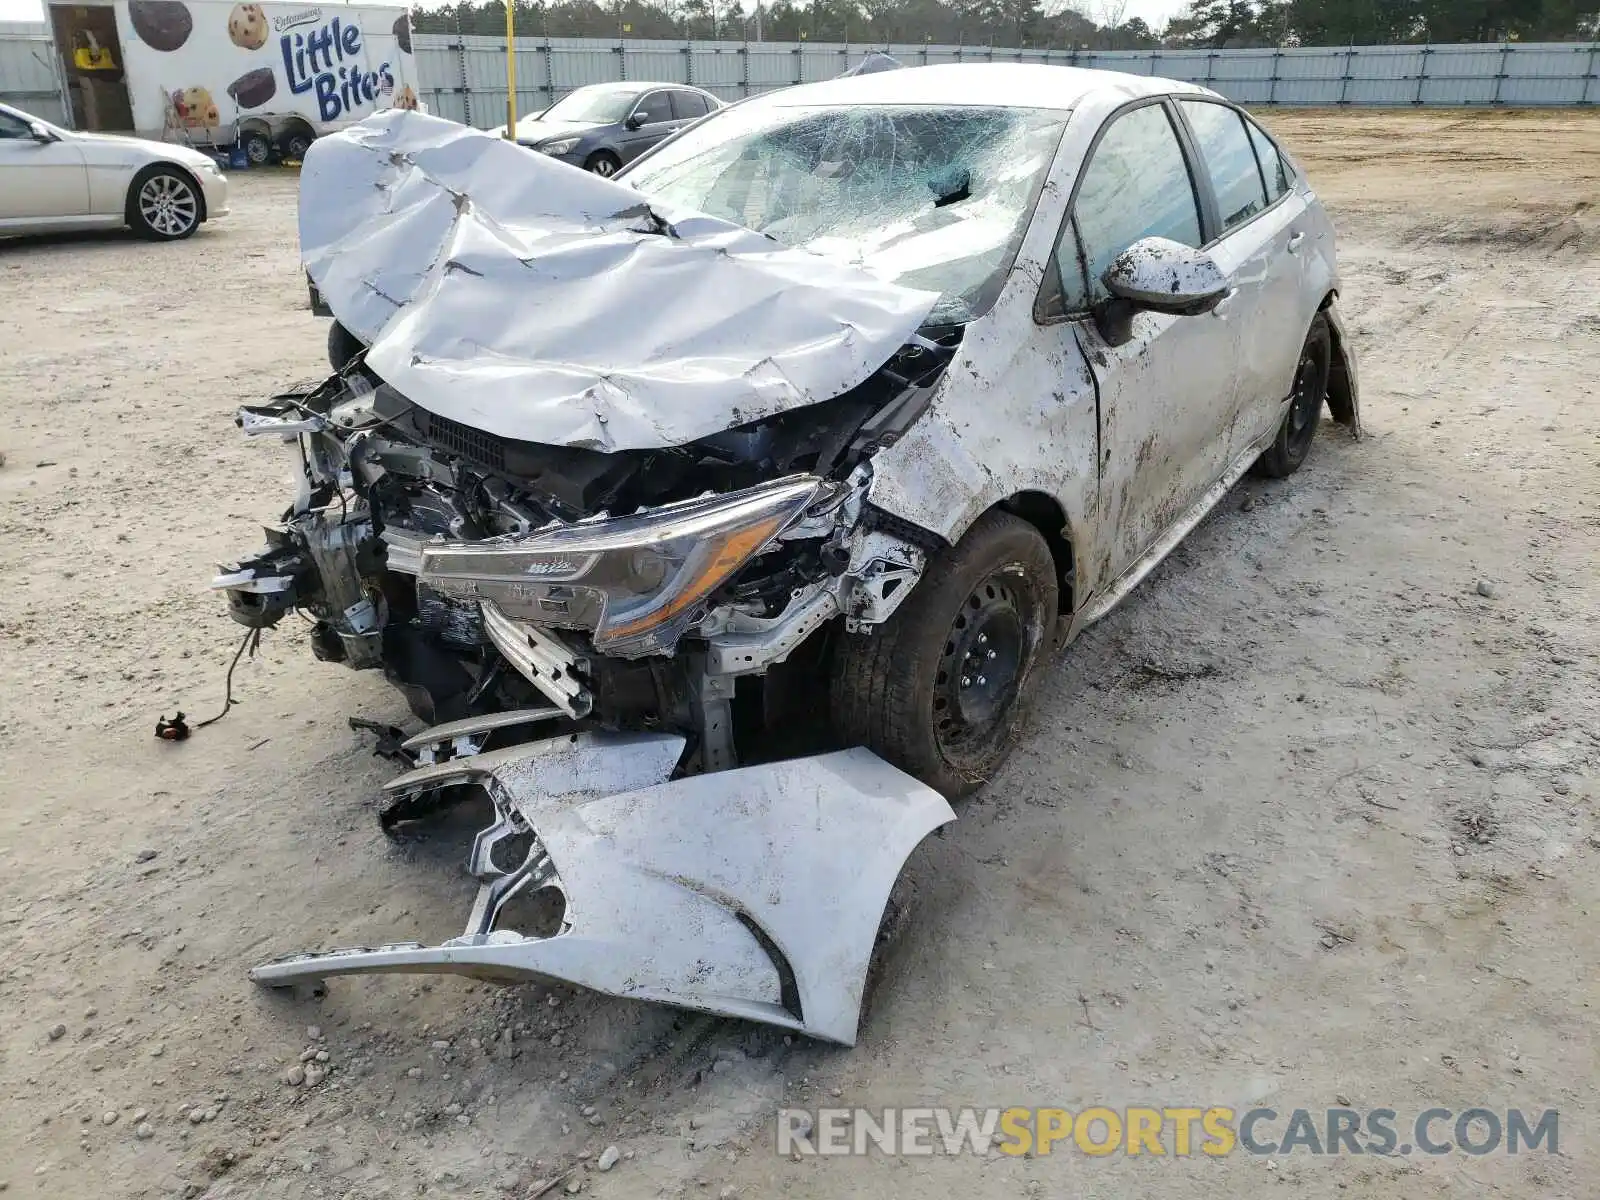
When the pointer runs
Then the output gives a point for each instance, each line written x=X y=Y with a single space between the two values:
x=195 y=108
x=253 y=88
x=247 y=26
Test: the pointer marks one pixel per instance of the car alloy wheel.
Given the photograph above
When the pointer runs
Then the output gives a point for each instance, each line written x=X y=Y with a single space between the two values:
x=169 y=205
x=603 y=167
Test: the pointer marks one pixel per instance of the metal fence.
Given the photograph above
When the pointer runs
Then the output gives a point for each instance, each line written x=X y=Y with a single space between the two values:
x=27 y=70
x=465 y=77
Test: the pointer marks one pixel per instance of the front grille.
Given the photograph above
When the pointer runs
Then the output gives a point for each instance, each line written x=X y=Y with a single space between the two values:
x=483 y=448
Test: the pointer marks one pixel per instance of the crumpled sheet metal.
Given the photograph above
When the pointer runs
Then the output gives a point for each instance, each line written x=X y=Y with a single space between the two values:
x=667 y=885
x=515 y=294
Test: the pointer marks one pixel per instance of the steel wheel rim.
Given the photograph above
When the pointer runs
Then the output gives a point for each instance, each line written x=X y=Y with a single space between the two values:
x=977 y=681
x=257 y=151
x=604 y=168
x=1307 y=398
x=168 y=205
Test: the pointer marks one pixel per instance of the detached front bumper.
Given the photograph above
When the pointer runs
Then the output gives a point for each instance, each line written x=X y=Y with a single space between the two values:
x=753 y=893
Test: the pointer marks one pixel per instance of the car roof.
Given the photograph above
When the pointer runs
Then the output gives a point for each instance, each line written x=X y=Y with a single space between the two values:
x=631 y=85
x=1006 y=85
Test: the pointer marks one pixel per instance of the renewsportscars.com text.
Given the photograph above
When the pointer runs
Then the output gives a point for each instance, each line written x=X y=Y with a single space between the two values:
x=1177 y=1132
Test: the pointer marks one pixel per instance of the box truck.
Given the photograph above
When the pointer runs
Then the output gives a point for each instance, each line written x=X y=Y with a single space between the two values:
x=212 y=74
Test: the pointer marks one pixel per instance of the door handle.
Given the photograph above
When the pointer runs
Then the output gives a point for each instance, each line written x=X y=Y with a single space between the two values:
x=1294 y=242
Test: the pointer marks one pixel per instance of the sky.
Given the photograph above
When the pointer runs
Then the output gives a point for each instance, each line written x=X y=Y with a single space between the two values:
x=1154 y=12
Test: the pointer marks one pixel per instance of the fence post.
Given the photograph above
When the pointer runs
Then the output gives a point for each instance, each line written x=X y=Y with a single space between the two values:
x=744 y=52
x=1588 y=74
x=688 y=63
x=1272 y=87
x=1500 y=75
x=549 y=69
x=461 y=76
x=1422 y=74
x=1344 y=83
x=621 y=52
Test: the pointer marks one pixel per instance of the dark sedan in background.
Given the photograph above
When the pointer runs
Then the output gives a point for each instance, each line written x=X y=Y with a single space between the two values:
x=604 y=125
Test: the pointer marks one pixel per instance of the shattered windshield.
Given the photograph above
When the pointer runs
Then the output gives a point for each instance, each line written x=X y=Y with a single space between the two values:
x=935 y=198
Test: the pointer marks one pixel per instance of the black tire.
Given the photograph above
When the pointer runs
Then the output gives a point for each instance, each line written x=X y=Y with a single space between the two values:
x=602 y=163
x=257 y=147
x=165 y=204
x=342 y=346
x=294 y=144
x=899 y=691
x=1291 y=447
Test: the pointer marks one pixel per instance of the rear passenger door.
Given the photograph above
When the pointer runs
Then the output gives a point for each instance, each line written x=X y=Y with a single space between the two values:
x=1259 y=235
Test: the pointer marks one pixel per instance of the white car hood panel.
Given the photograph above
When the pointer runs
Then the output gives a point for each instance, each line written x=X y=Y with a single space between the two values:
x=512 y=293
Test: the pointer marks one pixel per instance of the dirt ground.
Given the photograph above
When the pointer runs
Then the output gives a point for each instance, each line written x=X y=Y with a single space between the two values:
x=1313 y=818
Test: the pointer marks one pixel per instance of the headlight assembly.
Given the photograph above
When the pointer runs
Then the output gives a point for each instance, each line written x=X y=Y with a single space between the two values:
x=636 y=581
x=558 y=147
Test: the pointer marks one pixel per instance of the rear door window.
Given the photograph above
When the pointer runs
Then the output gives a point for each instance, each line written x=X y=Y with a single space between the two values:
x=1229 y=159
x=1273 y=169
x=688 y=105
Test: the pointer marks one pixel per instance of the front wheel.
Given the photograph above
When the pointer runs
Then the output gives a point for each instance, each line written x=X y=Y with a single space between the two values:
x=1293 y=443
x=257 y=147
x=603 y=163
x=342 y=346
x=937 y=689
x=164 y=204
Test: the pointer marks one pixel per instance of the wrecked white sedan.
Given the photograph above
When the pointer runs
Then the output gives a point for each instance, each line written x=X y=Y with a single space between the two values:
x=715 y=518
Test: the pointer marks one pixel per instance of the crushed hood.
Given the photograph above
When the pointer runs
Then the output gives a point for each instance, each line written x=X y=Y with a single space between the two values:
x=518 y=295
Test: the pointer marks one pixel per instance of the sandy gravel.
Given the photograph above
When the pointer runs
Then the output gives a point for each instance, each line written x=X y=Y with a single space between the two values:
x=1309 y=817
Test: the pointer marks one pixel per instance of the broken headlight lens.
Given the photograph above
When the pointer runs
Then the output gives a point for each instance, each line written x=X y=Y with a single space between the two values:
x=636 y=581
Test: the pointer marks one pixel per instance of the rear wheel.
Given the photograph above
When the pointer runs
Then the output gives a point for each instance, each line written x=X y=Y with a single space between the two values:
x=603 y=163
x=1293 y=443
x=937 y=689
x=164 y=204
x=294 y=144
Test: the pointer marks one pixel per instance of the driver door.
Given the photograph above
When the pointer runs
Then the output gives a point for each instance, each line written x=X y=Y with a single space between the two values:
x=1166 y=392
x=654 y=111
x=39 y=181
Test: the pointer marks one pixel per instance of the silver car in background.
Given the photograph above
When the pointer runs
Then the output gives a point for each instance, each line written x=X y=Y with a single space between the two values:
x=55 y=180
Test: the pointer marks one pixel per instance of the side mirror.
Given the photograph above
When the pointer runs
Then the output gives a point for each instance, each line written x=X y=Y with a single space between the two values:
x=42 y=133
x=1160 y=275
x=634 y=121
